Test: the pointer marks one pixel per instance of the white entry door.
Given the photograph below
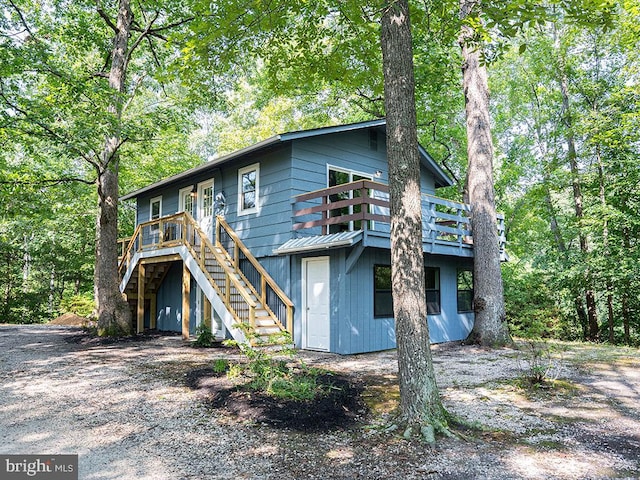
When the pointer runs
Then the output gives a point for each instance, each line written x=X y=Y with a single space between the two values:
x=315 y=304
x=205 y=207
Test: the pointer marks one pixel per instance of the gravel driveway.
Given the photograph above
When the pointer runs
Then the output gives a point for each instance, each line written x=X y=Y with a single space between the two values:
x=126 y=411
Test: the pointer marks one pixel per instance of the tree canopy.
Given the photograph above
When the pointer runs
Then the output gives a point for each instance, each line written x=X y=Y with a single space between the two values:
x=267 y=68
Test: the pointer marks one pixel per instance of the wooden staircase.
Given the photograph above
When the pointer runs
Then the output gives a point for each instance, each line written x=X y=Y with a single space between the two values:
x=259 y=307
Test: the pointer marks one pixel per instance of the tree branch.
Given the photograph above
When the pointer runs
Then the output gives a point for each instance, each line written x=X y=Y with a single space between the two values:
x=142 y=36
x=372 y=108
x=105 y=17
x=22 y=19
x=49 y=181
x=434 y=138
x=50 y=133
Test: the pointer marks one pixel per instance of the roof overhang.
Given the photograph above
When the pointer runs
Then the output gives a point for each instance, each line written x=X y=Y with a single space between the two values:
x=442 y=179
x=319 y=242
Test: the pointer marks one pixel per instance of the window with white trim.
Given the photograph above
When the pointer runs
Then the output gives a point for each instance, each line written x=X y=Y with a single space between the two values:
x=248 y=189
x=206 y=199
x=155 y=208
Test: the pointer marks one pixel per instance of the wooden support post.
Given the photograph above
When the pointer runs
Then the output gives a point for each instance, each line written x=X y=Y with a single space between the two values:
x=140 y=311
x=325 y=214
x=153 y=314
x=207 y=312
x=186 y=298
x=290 y=320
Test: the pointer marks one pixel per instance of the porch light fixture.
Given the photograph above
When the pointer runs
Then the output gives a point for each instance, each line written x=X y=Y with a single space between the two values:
x=194 y=191
x=378 y=174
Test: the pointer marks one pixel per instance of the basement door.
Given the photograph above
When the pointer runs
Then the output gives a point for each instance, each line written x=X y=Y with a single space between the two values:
x=315 y=304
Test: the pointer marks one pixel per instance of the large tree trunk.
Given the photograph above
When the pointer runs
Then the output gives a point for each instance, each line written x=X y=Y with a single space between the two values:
x=114 y=316
x=490 y=327
x=420 y=404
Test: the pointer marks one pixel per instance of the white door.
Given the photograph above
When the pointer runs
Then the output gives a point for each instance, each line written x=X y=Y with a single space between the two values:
x=205 y=207
x=315 y=304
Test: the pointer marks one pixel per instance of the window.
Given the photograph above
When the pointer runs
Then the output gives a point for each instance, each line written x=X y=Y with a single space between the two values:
x=155 y=208
x=382 y=301
x=432 y=287
x=382 y=298
x=339 y=177
x=465 y=291
x=248 y=189
x=186 y=200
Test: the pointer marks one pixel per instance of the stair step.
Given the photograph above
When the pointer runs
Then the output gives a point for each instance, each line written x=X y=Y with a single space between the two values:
x=267 y=328
x=265 y=322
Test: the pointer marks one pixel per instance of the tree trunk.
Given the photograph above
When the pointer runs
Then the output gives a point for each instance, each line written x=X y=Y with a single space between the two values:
x=562 y=248
x=420 y=404
x=592 y=312
x=114 y=316
x=605 y=242
x=626 y=311
x=626 y=318
x=490 y=326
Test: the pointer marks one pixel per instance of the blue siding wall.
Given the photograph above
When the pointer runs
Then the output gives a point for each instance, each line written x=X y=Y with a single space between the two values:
x=270 y=226
x=348 y=150
x=285 y=171
x=169 y=300
x=353 y=326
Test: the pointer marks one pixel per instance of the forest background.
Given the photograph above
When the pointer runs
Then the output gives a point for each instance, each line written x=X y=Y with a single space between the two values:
x=565 y=110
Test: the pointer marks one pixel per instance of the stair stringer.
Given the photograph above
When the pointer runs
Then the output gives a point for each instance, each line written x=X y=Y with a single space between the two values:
x=217 y=304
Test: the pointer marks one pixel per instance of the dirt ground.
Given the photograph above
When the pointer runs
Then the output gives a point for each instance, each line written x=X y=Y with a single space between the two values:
x=146 y=408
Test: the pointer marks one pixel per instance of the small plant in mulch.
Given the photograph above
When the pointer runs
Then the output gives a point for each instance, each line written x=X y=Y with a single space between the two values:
x=275 y=387
x=279 y=374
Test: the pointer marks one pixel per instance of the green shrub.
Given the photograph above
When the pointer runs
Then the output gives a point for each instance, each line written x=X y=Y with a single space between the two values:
x=204 y=336
x=539 y=369
x=530 y=303
x=220 y=365
x=82 y=304
x=266 y=371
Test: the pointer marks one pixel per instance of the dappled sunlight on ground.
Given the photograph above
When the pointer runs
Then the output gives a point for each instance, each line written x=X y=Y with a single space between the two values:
x=126 y=410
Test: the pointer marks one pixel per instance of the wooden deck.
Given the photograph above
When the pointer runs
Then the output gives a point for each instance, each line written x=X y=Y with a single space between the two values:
x=364 y=205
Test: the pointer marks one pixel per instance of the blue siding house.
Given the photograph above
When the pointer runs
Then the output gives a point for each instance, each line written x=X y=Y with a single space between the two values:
x=292 y=233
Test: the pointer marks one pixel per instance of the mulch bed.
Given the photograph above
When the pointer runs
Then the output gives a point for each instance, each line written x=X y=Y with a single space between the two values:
x=340 y=408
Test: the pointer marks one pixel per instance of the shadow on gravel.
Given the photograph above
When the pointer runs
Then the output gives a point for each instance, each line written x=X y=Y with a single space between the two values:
x=90 y=339
x=341 y=408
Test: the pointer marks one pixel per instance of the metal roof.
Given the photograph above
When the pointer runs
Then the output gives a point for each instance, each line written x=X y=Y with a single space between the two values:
x=442 y=179
x=319 y=242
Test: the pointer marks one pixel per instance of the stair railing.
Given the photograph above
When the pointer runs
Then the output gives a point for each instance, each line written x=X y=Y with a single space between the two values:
x=234 y=294
x=273 y=299
x=181 y=229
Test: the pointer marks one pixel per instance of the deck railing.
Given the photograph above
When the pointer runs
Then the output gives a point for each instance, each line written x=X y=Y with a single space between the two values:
x=364 y=205
x=181 y=229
